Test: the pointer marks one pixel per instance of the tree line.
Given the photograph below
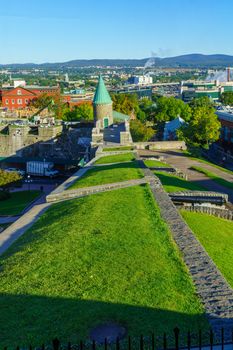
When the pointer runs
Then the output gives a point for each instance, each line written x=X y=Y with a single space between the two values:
x=201 y=125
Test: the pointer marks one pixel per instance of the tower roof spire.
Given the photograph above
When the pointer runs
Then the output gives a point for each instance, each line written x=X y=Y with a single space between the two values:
x=101 y=94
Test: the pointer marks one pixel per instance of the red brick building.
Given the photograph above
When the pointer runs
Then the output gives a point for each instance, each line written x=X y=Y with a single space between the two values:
x=20 y=97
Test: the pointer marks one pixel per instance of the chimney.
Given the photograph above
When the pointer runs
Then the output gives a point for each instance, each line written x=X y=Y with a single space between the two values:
x=228 y=74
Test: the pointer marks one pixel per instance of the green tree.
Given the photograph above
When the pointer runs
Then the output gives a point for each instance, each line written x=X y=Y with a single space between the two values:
x=203 y=128
x=125 y=103
x=140 y=132
x=203 y=101
x=227 y=98
x=83 y=112
x=169 y=108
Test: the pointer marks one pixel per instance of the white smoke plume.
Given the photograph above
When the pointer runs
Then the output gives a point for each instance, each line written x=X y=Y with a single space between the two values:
x=151 y=61
x=220 y=75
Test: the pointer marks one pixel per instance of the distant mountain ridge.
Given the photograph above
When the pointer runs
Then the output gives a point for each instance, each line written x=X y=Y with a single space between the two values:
x=185 y=61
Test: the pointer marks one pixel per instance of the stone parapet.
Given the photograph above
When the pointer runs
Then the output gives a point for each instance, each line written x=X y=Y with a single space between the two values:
x=86 y=191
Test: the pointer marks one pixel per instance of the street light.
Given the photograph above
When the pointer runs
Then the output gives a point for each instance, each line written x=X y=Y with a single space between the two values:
x=28 y=181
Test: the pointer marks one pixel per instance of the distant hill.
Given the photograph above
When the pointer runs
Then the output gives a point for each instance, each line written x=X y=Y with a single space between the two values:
x=190 y=60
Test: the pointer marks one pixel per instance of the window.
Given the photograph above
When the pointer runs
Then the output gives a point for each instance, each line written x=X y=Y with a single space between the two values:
x=12 y=101
x=19 y=92
x=26 y=100
x=7 y=102
x=19 y=101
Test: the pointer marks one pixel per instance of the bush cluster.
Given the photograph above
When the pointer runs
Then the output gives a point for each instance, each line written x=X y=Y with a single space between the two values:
x=8 y=179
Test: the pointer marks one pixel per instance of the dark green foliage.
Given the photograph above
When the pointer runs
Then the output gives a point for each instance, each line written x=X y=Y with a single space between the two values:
x=203 y=127
x=169 y=108
x=227 y=98
x=84 y=112
x=125 y=103
x=140 y=132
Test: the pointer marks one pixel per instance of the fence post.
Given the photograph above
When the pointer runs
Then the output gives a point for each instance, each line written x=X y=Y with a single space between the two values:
x=164 y=341
x=56 y=344
x=117 y=344
x=141 y=342
x=200 y=339
x=105 y=344
x=69 y=346
x=93 y=345
x=176 y=332
x=222 y=337
x=153 y=341
x=81 y=345
x=42 y=347
x=189 y=340
x=211 y=339
x=129 y=343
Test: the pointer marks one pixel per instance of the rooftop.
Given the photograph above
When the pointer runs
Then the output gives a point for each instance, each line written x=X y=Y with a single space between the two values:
x=101 y=94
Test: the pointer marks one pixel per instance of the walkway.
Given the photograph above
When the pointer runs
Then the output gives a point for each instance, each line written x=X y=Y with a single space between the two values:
x=17 y=229
x=178 y=160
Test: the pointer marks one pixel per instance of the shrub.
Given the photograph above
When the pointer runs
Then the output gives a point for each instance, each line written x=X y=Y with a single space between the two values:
x=8 y=179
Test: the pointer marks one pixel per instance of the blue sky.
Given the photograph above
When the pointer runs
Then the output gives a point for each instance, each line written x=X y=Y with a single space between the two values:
x=60 y=30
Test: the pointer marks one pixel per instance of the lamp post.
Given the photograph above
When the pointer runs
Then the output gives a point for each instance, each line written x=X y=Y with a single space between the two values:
x=29 y=181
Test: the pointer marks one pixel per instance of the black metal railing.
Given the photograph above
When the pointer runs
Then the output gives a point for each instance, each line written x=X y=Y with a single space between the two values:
x=174 y=341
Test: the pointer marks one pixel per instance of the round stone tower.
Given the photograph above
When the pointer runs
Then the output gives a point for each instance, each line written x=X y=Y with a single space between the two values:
x=102 y=104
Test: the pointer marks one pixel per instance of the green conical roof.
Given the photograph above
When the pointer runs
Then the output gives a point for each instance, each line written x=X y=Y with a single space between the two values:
x=101 y=94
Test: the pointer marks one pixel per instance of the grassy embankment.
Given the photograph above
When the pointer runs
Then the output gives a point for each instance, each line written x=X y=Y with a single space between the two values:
x=216 y=236
x=123 y=148
x=173 y=183
x=126 y=157
x=109 y=174
x=106 y=257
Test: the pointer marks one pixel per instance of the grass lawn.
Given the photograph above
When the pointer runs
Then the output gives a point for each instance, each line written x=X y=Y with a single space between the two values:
x=216 y=236
x=156 y=164
x=126 y=157
x=214 y=177
x=172 y=183
x=109 y=174
x=106 y=257
x=123 y=148
x=17 y=202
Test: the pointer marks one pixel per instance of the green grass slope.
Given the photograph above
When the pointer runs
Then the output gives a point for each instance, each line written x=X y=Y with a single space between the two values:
x=106 y=257
x=109 y=174
x=17 y=202
x=216 y=236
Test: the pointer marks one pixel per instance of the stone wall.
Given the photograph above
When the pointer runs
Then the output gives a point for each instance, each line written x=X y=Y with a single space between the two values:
x=161 y=145
x=219 y=212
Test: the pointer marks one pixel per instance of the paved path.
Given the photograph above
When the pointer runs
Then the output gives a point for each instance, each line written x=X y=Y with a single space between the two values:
x=17 y=229
x=180 y=161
